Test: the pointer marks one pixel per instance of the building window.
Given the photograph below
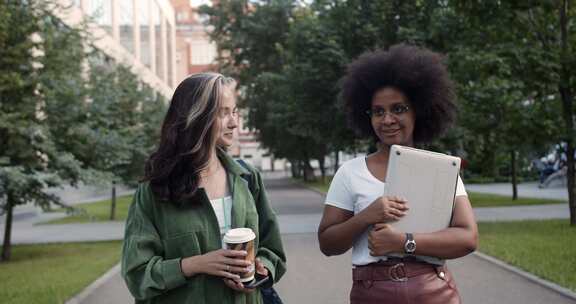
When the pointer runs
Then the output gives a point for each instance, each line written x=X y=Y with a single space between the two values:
x=157 y=22
x=202 y=52
x=181 y=16
x=170 y=42
x=101 y=13
x=127 y=25
x=145 y=45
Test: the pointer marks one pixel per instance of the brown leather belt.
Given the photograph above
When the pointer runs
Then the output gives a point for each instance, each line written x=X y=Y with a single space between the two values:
x=394 y=271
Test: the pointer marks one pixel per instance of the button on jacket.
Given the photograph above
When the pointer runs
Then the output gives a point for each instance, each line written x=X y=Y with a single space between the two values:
x=159 y=234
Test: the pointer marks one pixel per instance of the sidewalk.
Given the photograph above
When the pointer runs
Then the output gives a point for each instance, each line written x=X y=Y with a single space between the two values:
x=312 y=277
x=69 y=196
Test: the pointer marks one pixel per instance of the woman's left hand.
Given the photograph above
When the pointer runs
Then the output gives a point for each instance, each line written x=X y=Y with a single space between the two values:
x=384 y=239
x=238 y=286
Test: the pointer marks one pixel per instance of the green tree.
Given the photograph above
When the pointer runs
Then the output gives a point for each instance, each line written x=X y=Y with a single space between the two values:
x=509 y=83
x=314 y=63
x=251 y=38
x=122 y=113
x=146 y=134
x=551 y=36
x=31 y=160
x=539 y=49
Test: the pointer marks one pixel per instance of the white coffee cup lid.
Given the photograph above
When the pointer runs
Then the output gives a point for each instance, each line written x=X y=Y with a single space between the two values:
x=239 y=235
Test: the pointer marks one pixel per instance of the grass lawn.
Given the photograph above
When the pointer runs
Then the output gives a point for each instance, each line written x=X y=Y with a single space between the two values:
x=544 y=248
x=493 y=200
x=53 y=273
x=97 y=212
x=477 y=199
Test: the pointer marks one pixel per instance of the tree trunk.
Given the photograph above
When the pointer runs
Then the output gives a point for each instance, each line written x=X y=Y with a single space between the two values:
x=308 y=171
x=295 y=168
x=7 y=245
x=305 y=170
x=322 y=168
x=568 y=116
x=272 y=162
x=570 y=183
x=336 y=161
x=113 y=205
x=488 y=158
x=513 y=173
x=567 y=108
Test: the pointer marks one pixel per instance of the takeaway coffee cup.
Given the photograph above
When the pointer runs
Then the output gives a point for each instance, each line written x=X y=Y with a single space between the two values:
x=242 y=239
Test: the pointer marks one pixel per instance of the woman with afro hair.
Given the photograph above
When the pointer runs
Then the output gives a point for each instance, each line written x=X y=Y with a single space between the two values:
x=402 y=96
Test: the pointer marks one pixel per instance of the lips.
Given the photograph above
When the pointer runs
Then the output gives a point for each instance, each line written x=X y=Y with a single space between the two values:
x=390 y=132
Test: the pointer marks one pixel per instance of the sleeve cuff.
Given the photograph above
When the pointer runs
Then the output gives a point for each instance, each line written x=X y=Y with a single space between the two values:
x=173 y=275
x=271 y=271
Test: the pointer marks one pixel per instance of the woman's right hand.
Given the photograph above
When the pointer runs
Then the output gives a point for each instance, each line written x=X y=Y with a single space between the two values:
x=386 y=209
x=223 y=263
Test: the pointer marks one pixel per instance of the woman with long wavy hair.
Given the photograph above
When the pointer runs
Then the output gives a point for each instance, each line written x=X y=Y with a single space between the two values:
x=192 y=193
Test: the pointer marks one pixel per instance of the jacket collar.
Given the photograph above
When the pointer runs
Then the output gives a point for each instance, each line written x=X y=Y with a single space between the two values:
x=230 y=164
x=238 y=187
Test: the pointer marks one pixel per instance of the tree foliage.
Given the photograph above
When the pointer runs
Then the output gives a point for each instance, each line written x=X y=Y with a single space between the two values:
x=62 y=120
x=512 y=63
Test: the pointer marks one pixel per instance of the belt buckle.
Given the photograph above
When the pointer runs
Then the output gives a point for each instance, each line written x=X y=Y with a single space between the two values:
x=397 y=273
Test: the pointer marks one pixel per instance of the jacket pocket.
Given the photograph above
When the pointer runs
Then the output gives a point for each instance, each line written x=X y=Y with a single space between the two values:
x=184 y=245
x=175 y=223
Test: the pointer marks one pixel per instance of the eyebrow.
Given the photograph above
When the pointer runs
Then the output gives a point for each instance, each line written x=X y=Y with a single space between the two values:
x=392 y=105
x=228 y=108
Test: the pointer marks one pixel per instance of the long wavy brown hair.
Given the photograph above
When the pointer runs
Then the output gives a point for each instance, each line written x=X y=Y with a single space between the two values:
x=188 y=137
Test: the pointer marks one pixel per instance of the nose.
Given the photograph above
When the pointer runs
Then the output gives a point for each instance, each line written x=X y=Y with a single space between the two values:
x=233 y=122
x=388 y=119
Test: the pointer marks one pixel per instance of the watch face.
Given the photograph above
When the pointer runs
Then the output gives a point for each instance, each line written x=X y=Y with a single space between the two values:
x=410 y=246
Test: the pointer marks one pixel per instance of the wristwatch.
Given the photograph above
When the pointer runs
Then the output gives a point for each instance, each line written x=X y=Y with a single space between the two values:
x=410 y=245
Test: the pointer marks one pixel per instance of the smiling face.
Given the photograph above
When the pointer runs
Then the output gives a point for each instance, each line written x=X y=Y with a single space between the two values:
x=227 y=119
x=392 y=117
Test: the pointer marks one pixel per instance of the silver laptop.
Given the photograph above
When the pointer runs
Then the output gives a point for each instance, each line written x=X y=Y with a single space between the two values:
x=428 y=182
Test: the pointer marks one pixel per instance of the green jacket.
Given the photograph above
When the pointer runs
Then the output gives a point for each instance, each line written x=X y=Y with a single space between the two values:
x=158 y=235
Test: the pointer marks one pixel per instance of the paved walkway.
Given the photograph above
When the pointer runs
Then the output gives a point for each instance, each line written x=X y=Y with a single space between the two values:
x=69 y=196
x=312 y=277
